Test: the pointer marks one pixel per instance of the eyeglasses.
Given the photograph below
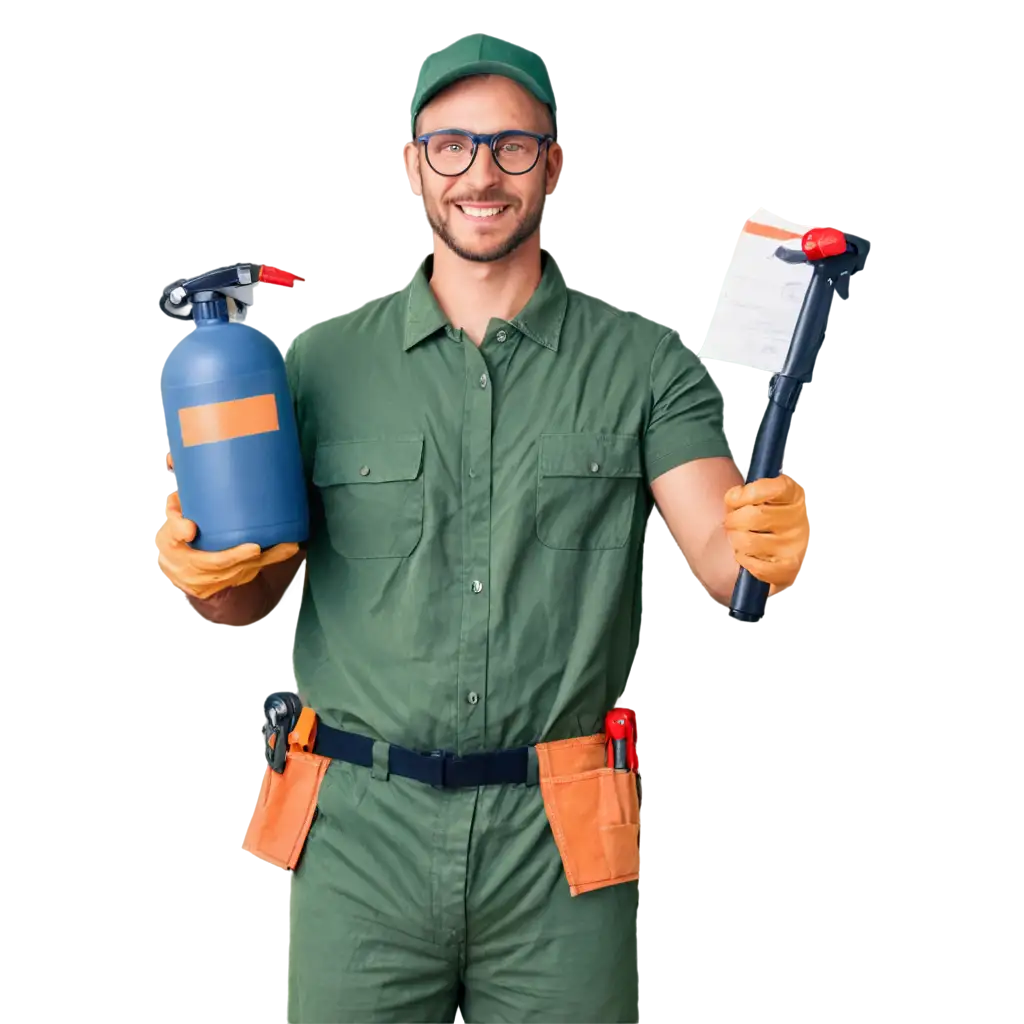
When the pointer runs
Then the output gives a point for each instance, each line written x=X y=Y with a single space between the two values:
x=451 y=151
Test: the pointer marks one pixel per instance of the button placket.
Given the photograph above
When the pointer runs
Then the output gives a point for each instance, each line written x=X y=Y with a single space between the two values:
x=476 y=536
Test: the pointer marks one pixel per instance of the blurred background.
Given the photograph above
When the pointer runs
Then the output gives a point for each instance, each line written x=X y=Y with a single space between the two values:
x=832 y=797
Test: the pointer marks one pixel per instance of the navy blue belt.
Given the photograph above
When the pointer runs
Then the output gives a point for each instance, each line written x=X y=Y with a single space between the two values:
x=439 y=768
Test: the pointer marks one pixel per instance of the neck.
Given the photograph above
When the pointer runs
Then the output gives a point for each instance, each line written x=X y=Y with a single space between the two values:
x=471 y=293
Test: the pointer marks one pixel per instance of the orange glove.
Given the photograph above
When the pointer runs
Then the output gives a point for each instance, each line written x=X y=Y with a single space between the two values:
x=203 y=573
x=766 y=523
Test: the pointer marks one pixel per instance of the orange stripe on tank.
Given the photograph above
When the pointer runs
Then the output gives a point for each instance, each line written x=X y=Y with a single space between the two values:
x=221 y=421
x=768 y=231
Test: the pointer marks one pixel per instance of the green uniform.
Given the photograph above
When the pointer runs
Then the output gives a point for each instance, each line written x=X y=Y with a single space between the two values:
x=473 y=583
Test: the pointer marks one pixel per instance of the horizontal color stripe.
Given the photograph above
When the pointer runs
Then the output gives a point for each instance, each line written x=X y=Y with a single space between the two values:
x=221 y=421
x=768 y=737
x=767 y=231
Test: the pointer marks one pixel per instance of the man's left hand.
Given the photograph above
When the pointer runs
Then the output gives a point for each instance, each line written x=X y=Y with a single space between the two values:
x=766 y=523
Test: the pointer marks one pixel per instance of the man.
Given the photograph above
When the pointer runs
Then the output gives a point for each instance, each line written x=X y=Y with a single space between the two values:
x=483 y=449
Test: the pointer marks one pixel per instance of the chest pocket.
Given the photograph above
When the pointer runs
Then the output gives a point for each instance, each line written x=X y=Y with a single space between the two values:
x=372 y=492
x=587 y=486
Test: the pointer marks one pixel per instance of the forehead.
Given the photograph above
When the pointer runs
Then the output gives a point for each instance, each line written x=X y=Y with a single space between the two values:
x=484 y=104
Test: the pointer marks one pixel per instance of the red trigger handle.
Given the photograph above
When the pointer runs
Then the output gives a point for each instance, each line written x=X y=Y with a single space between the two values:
x=821 y=242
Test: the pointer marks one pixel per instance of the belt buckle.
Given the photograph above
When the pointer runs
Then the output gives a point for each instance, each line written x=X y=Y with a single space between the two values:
x=442 y=756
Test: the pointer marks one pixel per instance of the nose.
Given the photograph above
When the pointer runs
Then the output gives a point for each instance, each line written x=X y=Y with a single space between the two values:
x=484 y=172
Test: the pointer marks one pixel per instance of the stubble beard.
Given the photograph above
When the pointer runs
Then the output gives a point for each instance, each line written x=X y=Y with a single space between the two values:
x=522 y=232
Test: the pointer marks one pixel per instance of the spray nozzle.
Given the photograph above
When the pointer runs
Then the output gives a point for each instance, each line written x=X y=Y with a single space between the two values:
x=274 y=276
x=235 y=283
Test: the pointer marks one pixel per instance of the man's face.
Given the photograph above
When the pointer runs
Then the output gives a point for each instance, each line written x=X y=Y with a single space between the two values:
x=483 y=105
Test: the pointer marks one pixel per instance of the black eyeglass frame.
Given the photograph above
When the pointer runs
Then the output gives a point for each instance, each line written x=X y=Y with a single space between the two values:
x=490 y=141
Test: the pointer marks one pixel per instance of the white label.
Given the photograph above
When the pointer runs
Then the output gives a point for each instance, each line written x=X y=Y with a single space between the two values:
x=761 y=298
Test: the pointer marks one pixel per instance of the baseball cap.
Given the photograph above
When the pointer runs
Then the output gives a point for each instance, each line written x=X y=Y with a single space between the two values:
x=482 y=55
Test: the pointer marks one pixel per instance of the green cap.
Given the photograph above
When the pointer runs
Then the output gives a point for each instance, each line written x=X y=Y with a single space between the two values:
x=482 y=55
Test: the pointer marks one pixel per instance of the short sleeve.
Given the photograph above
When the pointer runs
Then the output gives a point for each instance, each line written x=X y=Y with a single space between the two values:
x=686 y=421
x=292 y=360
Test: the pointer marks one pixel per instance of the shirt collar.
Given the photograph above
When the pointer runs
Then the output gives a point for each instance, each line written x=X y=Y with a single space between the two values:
x=540 y=319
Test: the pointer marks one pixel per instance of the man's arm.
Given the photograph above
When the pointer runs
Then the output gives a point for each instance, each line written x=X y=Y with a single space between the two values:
x=718 y=522
x=690 y=500
x=689 y=463
x=252 y=601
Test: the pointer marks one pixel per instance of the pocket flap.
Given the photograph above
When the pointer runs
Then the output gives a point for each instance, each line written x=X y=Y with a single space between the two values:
x=594 y=455
x=367 y=461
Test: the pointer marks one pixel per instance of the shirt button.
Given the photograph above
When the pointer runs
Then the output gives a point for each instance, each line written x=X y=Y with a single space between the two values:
x=472 y=697
x=594 y=467
x=501 y=335
x=483 y=380
x=477 y=586
x=364 y=470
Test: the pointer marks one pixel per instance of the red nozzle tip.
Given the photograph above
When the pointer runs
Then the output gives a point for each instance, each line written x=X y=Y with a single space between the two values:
x=821 y=242
x=274 y=276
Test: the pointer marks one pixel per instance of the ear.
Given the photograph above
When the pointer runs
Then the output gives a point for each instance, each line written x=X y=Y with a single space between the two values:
x=553 y=167
x=412 y=167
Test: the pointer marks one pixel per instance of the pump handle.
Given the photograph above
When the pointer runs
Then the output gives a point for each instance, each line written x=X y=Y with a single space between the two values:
x=178 y=295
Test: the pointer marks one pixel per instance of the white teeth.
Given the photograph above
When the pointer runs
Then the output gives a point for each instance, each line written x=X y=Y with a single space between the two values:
x=482 y=211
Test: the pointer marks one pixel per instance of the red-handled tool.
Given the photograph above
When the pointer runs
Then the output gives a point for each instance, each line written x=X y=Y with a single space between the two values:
x=620 y=739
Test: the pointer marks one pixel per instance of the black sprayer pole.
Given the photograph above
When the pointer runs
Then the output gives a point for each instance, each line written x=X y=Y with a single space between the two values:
x=750 y=597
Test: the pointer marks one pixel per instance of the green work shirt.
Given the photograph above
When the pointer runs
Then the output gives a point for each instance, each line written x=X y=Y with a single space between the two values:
x=477 y=513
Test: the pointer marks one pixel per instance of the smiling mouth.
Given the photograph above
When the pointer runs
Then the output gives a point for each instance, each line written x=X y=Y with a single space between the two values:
x=482 y=212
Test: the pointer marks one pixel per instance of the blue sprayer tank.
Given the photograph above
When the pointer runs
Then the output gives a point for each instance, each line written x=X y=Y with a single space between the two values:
x=230 y=420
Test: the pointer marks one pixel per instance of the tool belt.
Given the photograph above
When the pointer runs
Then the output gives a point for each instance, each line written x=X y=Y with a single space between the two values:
x=590 y=786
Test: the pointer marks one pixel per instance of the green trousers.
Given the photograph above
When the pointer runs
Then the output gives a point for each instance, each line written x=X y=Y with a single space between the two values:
x=411 y=901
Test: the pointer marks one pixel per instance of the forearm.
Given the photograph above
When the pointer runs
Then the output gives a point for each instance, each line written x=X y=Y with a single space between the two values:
x=716 y=567
x=241 y=606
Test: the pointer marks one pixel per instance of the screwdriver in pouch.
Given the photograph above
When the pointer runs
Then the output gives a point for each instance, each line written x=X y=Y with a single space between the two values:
x=620 y=736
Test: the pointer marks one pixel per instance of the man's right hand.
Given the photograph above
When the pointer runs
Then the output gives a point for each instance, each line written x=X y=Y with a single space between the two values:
x=203 y=573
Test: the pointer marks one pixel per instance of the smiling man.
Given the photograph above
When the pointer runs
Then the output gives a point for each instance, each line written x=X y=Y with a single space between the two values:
x=509 y=213
x=484 y=449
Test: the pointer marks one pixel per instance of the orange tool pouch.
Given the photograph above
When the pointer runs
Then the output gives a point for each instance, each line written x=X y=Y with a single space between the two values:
x=288 y=799
x=593 y=810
